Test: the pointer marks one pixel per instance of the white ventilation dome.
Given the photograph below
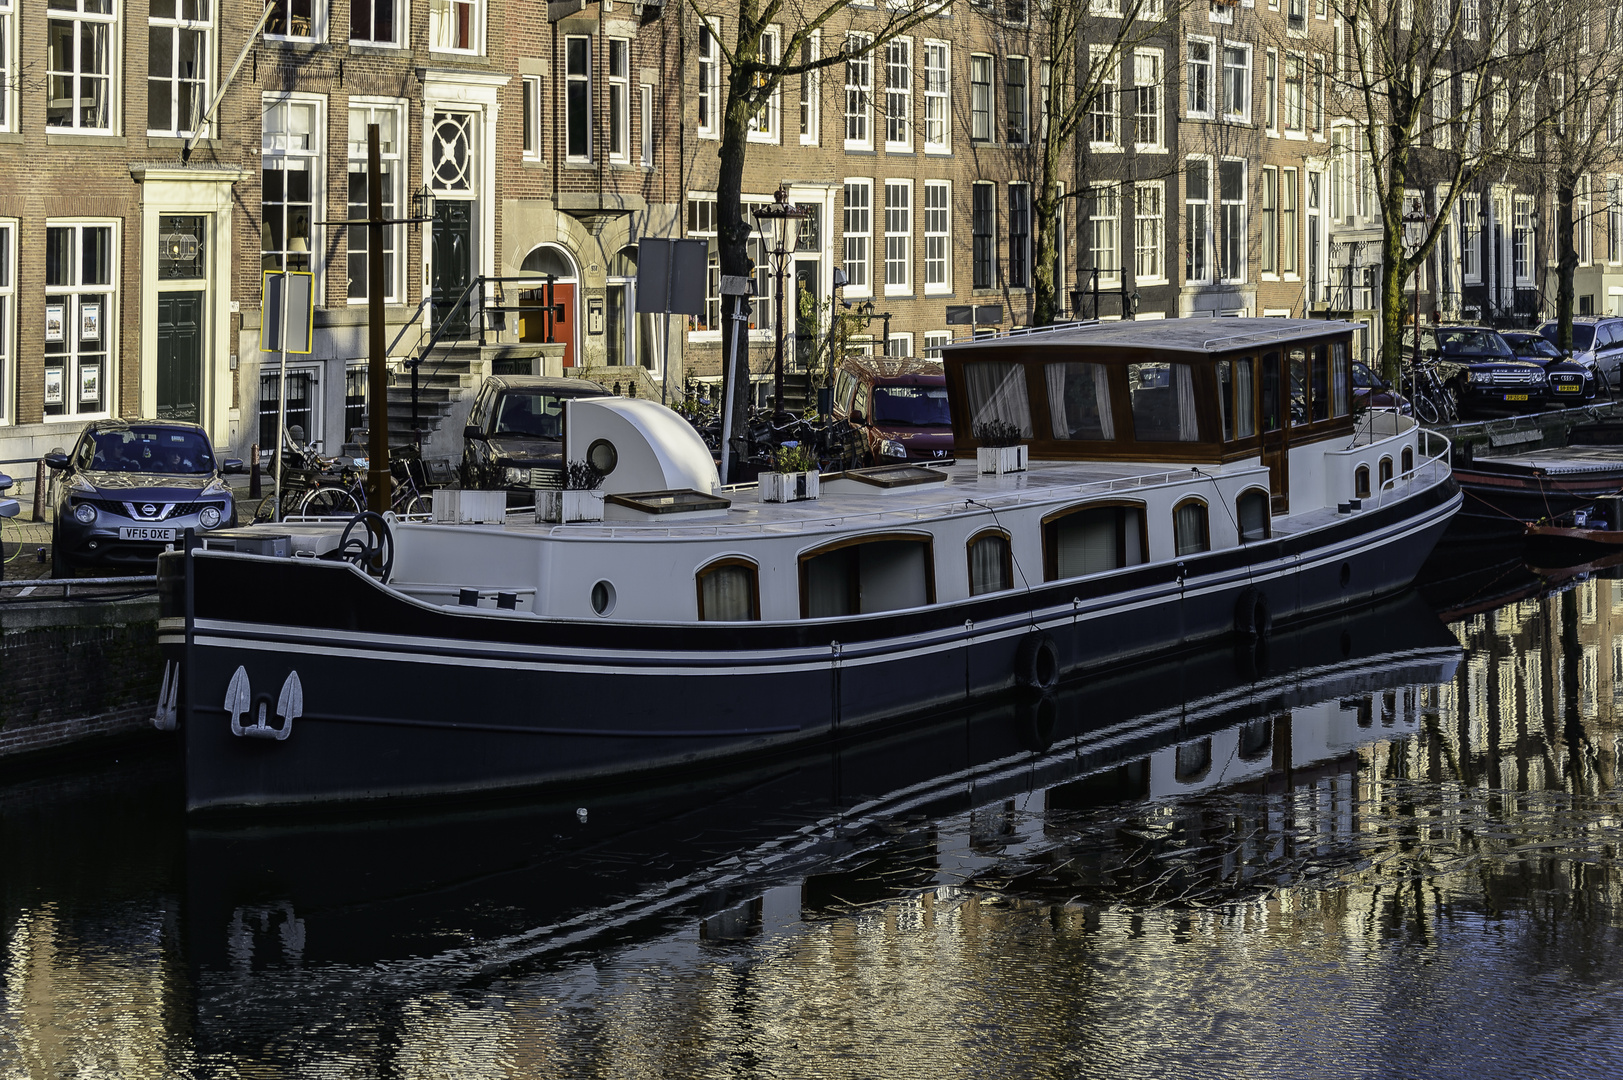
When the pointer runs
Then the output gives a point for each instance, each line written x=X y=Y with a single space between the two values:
x=638 y=444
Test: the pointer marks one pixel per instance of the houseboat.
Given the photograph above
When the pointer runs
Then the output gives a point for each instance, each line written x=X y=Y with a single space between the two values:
x=1171 y=483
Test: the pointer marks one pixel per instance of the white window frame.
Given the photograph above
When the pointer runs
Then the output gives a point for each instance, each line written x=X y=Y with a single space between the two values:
x=899 y=95
x=933 y=341
x=571 y=79
x=1207 y=241
x=1442 y=110
x=1290 y=224
x=1470 y=219
x=1270 y=92
x=707 y=101
x=937 y=97
x=201 y=82
x=1240 y=84
x=766 y=126
x=859 y=93
x=315 y=158
x=856 y=234
x=898 y=237
x=530 y=118
x=396 y=165
x=86 y=21
x=1614 y=225
x=8 y=318
x=619 y=104
x=1155 y=89
x=700 y=220
x=1268 y=233
x=1017 y=94
x=1196 y=72
x=1016 y=245
x=1583 y=223
x=318 y=21
x=993 y=279
x=899 y=345
x=1104 y=231
x=8 y=70
x=441 y=22
x=1149 y=232
x=1522 y=240
x=1105 y=109
x=1294 y=118
x=402 y=24
x=937 y=237
x=811 y=90
x=645 y=103
x=1222 y=12
x=1233 y=237
x=72 y=358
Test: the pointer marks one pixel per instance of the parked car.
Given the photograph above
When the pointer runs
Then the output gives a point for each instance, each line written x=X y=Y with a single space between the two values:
x=514 y=438
x=1570 y=379
x=1480 y=368
x=129 y=489
x=1596 y=339
x=899 y=406
x=1370 y=391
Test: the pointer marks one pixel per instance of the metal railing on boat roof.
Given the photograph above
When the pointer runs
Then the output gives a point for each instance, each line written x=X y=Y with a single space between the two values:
x=1258 y=335
x=1029 y=331
x=963 y=504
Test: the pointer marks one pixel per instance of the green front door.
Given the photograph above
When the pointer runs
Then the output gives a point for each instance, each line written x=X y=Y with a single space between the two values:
x=180 y=356
x=453 y=263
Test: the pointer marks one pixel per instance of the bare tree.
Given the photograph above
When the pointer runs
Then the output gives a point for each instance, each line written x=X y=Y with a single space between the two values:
x=753 y=76
x=1440 y=91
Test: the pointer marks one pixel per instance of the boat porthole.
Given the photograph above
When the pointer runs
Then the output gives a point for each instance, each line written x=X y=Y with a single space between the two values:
x=602 y=456
x=602 y=598
x=1346 y=574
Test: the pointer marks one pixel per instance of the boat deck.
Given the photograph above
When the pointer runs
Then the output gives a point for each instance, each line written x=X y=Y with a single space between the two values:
x=1560 y=461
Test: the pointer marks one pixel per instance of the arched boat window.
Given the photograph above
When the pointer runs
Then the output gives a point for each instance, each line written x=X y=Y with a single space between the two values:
x=869 y=574
x=1079 y=401
x=1386 y=471
x=1361 y=482
x=1163 y=397
x=1254 y=517
x=1193 y=762
x=991 y=563
x=1093 y=539
x=1408 y=459
x=729 y=591
x=1256 y=739
x=996 y=392
x=1190 y=528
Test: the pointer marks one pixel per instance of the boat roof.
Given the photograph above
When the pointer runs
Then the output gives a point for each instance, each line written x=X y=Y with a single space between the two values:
x=1203 y=336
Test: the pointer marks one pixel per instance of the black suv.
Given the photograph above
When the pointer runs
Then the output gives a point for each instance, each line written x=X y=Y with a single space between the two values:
x=1596 y=340
x=514 y=439
x=1570 y=380
x=1480 y=368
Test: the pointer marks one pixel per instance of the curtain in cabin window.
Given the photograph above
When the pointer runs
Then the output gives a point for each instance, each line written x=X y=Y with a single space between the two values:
x=997 y=391
x=728 y=593
x=1079 y=401
x=989 y=565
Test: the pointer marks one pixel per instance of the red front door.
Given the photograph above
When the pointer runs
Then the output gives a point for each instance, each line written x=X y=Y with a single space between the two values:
x=540 y=325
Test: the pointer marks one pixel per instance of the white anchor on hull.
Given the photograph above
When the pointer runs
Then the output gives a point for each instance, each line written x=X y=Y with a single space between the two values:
x=239 y=700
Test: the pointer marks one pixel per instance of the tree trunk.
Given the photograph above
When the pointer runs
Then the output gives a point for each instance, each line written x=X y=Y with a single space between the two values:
x=1566 y=265
x=732 y=239
x=1045 y=208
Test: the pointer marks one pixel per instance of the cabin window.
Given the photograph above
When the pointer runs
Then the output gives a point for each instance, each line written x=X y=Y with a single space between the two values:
x=1298 y=386
x=1270 y=392
x=1408 y=460
x=997 y=392
x=1163 y=402
x=1253 y=515
x=1236 y=397
x=1256 y=740
x=862 y=578
x=1386 y=472
x=1320 y=366
x=1093 y=540
x=1189 y=527
x=1361 y=482
x=1079 y=401
x=1340 y=378
x=729 y=592
x=1193 y=761
x=991 y=564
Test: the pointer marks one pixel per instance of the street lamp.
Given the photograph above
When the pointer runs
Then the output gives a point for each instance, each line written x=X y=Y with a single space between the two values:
x=779 y=223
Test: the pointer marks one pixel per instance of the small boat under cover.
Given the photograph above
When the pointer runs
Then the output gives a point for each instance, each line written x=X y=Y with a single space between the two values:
x=1173 y=483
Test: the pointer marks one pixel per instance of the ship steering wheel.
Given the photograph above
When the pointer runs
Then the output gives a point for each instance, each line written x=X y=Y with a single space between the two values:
x=373 y=549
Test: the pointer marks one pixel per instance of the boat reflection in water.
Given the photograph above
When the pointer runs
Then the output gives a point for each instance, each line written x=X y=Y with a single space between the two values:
x=1383 y=846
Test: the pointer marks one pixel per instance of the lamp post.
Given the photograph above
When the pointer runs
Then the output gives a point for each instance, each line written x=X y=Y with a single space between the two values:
x=779 y=223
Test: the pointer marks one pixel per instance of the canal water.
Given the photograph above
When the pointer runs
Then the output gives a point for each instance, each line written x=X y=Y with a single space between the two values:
x=1380 y=846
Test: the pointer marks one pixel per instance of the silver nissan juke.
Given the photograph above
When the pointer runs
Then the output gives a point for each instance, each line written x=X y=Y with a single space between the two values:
x=129 y=489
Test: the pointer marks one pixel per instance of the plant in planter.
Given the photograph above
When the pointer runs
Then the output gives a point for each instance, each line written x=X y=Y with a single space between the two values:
x=1000 y=450
x=794 y=475
x=580 y=499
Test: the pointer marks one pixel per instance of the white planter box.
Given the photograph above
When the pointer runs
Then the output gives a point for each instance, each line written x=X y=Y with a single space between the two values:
x=789 y=486
x=454 y=506
x=1003 y=459
x=562 y=507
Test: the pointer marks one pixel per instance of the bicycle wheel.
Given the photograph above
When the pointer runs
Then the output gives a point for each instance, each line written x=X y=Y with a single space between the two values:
x=1425 y=407
x=329 y=502
x=266 y=510
x=417 y=506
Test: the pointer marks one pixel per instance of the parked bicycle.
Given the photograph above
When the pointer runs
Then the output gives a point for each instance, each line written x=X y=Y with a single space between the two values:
x=1433 y=400
x=314 y=486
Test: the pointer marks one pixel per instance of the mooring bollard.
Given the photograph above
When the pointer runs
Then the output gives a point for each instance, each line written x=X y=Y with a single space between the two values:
x=253 y=471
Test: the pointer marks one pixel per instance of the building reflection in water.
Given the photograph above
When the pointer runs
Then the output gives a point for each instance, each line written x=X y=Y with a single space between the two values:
x=1419 y=876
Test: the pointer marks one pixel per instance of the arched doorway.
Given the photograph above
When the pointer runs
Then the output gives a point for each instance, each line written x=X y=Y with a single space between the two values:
x=547 y=310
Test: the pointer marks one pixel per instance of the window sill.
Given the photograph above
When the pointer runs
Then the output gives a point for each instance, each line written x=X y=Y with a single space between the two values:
x=175 y=142
x=930 y=148
x=378 y=48
x=859 y=148
x=532 y=161
x=899 y=148
x=932 y=294
x=76 y=139
x=579 y=163
x=11 y=137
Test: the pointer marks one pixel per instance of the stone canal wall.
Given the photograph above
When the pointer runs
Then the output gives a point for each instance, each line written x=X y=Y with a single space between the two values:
x=73 y=671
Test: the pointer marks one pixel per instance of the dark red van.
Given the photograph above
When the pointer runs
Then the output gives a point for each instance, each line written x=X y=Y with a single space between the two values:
x=899 y=405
